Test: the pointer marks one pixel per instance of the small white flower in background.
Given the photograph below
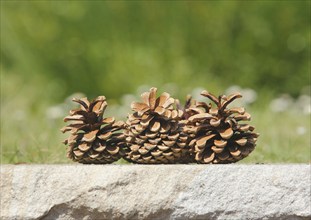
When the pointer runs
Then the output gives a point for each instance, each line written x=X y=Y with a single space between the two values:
x=300 y=130
x=281 y=104
x=249 y=95
x=19 y=115
x=285 y=102
x=196 y=94
x=303 y=104
x=55 y=112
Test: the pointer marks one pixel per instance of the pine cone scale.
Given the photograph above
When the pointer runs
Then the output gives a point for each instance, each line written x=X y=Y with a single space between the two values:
x=85 y=147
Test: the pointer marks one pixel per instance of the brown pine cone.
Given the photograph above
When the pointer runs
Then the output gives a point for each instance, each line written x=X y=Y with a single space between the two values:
x=93 y=139
x=219 y=136
x=153 y=133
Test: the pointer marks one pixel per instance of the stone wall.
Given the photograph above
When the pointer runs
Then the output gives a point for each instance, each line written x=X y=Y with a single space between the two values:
x=155 y=192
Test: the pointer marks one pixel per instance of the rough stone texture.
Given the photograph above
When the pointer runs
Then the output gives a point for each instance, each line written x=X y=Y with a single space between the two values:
x=155 y=192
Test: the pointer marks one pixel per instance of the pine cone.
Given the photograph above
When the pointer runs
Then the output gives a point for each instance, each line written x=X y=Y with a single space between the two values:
x=93 y=139
x=153 y=133
x=188 y=110
x=218 y=135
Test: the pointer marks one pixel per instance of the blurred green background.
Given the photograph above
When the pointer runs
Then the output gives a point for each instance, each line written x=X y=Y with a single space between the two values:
x=53 y=50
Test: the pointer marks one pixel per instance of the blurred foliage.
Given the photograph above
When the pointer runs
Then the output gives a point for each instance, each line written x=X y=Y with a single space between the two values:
x=52 y=49
x=31 y=135
x=112 y=47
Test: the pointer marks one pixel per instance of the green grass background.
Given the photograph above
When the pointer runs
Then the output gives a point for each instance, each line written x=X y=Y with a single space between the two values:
x=52 y=49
